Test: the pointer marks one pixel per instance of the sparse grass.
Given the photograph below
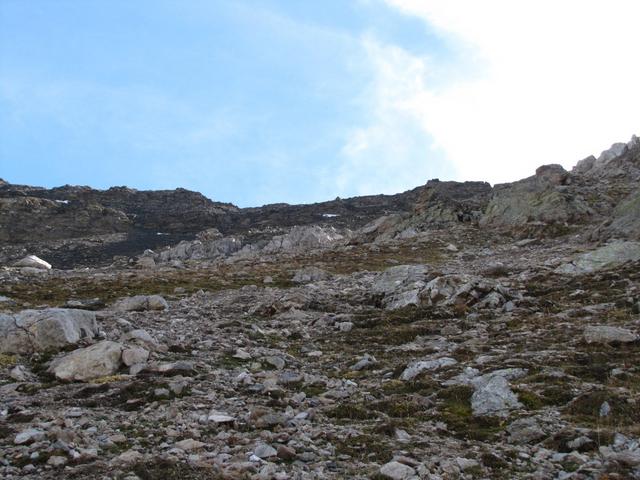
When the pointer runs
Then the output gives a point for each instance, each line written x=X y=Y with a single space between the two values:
x=586 y=409
x=7 y=361
x=529 y=399
x=352 y=411
x=456 y=412
x=56 y=291
x=161 y=469
x=109 y=379
x=365 y=448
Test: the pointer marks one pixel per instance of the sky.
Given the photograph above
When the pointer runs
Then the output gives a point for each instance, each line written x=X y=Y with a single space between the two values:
x=265 y=101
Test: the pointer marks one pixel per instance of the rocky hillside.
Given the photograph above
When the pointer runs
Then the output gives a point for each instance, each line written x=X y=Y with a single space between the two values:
x=456 y=331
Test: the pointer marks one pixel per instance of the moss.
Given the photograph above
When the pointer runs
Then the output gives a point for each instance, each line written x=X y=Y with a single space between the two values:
x=109 y=379
x=422 y=385
x=399 y=407
x=586 y=408
x=456 y=412
x=529 y=399
x=313 y=390
x=492 y=461
x=161 y=469
x=365 y=448
x=7 y=360
x=557 y=395
x=228 y=361
x=352 y=411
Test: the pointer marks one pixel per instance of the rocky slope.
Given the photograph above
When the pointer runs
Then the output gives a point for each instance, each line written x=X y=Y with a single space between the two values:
x=457 y=331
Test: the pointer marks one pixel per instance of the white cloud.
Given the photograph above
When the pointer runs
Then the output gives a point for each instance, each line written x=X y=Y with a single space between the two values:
x=558 y=80
x=391 y=152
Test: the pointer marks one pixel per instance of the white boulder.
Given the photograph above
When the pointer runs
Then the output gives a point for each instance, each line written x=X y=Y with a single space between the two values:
x=49 y=329
x=84 y=364
x=31 y=261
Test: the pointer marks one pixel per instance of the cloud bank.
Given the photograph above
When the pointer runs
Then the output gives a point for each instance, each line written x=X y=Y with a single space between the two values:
x=538 y=82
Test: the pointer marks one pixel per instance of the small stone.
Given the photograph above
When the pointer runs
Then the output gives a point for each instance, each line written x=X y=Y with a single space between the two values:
x=277 y=362
x=466 y=463
x=161 y=393
x=345 y=326
x=242 y=354
x=57 y=461
x=397 y=471
x=130 y=457
x=218 y=417
x=286 y=453
x=140 y=303
x=189 y=445
x=29 y=436
x=263 y=451
x=134 y=355
x=20 y=374
x=175 y=368
x=367 y=361
x=416 y=368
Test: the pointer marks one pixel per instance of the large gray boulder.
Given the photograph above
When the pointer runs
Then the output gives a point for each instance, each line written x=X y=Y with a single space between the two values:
x=50 y=329
x=99 y=360
x=608 y=334
x=626 y=217
x=208 y=245
x=310 y=274
x=397 y=471
x=493 y=395
x=140 y=303
x=607 y=256
x=401 y=285
x=467 y=290
x=32 y=261
x=303 y=238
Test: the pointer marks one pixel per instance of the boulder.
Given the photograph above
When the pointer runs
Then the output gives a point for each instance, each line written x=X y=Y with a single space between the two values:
x=493 y=395
x=303 y=238
x=607 y=334
x=401 y=285
x=626 y=217
x=140 y=303
x=400 y=278
x=467 y=290
x=49 y=329
x=397 y=471
x=134 y=356
x=32 y=261
x=416 y=368
x=310 y=275
x=610 y=255
x=84 y=364
x=525 y=430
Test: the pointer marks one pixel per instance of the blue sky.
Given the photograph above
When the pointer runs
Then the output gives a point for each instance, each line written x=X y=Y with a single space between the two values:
x=247 y=101
x=262 y=101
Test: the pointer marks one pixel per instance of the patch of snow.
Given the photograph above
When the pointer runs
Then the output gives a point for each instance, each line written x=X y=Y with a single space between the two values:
x=330 y=215
x=64 y=202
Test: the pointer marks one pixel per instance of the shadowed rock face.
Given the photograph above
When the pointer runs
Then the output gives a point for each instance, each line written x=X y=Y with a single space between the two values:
x=79 y=226
x=76 y=226
x=446 y=202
